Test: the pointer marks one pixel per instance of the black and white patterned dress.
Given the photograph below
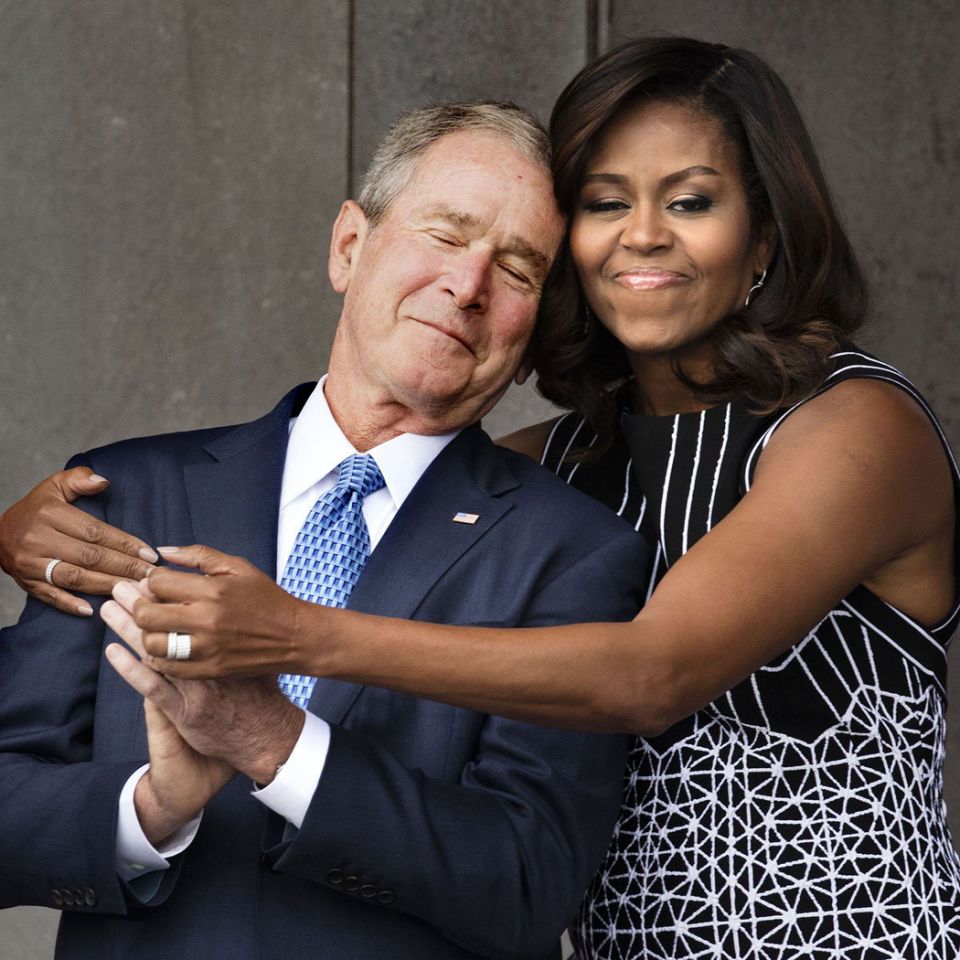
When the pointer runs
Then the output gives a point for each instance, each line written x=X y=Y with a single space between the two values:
x=800 y=815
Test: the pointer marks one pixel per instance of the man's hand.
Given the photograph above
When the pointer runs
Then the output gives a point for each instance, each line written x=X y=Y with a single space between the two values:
x=180 y=780
x=44 y=526
x=246 y=723
x=240 y=621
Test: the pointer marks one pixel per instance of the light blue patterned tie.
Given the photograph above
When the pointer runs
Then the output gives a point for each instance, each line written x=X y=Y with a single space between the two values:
x=330 y=550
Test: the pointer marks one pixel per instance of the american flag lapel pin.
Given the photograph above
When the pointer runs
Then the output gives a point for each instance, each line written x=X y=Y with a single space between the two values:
x=462 y=517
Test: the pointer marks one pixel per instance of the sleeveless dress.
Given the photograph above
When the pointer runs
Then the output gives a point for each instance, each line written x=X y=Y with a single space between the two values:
x=800 y=815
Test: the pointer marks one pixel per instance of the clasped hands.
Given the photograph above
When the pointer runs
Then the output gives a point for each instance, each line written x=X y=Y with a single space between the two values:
x=200 y=731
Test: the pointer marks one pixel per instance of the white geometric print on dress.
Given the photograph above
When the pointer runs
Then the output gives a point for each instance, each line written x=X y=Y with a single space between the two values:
x=800 y=815
x=702 y=867
x=330 y=551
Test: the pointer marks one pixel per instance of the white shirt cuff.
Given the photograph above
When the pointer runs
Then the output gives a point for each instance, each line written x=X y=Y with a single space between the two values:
x=136 y=855
x=292 y=789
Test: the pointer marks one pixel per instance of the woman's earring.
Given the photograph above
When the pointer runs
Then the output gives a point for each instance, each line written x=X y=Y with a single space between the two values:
x=756 y=286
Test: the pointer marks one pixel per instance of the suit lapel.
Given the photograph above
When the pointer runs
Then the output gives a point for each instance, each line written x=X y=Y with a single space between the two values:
x=235 y=498
x=423 y=542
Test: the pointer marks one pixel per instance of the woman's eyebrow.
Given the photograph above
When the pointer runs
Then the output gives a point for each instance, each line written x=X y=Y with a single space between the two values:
x=605 y=178
x=697 y=170
x=669 y=180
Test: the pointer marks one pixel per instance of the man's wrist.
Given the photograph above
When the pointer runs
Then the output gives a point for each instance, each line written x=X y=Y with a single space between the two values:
x=157 y=822
x=292 y=790
x=263 y=766
x=260 y=784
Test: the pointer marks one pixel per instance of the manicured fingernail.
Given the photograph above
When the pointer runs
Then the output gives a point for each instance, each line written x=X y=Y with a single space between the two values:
x=122 y=589
x=168 y=551
x=84 y=609
x=96 y=478
x=149 y=555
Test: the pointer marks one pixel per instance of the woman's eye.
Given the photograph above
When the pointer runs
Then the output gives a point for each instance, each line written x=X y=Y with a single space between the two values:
x=695 y=204
x=607 y=205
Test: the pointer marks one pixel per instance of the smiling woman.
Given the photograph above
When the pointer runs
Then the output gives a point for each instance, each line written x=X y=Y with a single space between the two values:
x=662 y=236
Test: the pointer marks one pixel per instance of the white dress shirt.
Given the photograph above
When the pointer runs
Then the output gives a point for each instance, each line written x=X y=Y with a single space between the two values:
x=316 y=448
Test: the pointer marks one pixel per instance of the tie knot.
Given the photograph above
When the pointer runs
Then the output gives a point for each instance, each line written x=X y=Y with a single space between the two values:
x=360 y=473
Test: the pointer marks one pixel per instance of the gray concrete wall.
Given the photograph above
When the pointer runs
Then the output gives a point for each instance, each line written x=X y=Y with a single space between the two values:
x=169 y=171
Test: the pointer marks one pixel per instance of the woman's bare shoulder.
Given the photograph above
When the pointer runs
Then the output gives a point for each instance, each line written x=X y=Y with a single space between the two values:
x=529 y=441
x=871 y=447
x=868 y=418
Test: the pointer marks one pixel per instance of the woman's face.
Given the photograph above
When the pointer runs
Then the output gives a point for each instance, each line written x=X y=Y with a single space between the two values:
x=661 y=236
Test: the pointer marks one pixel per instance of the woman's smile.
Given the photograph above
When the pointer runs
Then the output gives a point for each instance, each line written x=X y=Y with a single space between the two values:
x=649 y=278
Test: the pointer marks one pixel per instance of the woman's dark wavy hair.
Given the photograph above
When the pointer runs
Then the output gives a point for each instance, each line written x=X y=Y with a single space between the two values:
x=770 y=354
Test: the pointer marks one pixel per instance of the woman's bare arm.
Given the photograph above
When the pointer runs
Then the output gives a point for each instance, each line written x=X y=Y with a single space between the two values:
x=854 y=488
x=95 y=556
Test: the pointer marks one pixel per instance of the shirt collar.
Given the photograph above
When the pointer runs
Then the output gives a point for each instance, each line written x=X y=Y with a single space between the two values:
x=317 y=445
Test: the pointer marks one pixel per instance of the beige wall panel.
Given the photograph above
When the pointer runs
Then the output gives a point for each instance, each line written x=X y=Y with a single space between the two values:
x=169 y=172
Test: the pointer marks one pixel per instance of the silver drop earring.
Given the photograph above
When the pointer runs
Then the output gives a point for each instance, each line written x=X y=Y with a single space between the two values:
x=757 y=285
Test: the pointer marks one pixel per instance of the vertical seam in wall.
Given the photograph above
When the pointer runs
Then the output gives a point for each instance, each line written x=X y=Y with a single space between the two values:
x=351 y=88
x=591 y=29
x=599 y=16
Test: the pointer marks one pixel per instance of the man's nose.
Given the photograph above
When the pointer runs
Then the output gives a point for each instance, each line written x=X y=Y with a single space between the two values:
x=468 y=280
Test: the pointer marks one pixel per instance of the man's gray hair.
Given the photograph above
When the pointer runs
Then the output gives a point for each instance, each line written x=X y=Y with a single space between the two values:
x=412 y=133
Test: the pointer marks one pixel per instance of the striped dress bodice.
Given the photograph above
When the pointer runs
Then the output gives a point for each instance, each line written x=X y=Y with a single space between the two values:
x=801 y=813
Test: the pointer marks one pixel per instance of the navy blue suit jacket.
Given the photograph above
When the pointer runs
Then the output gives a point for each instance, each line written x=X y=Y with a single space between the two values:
x=435 y=831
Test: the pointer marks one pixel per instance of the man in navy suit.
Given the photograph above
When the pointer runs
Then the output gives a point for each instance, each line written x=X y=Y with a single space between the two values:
x=377 y=824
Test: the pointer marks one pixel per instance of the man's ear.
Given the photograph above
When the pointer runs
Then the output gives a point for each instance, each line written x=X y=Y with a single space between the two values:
x=349 y=231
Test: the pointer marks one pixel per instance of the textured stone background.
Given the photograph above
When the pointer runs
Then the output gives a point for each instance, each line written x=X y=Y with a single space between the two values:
x=169 y=170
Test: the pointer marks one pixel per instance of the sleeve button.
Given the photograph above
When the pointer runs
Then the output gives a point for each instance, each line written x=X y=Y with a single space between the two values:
x=368 y=890
x=335 y=877
x=57 y=898
x=385 y=896
x=351 y=883
x=90 y=897
x=68 y=898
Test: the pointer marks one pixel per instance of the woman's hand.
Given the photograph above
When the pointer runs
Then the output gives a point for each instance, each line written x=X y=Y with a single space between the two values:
x=93 y=556
x=240 y=621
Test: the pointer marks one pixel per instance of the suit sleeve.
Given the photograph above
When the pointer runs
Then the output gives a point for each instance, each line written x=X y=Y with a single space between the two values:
x=58 y=807
x=499 y=860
